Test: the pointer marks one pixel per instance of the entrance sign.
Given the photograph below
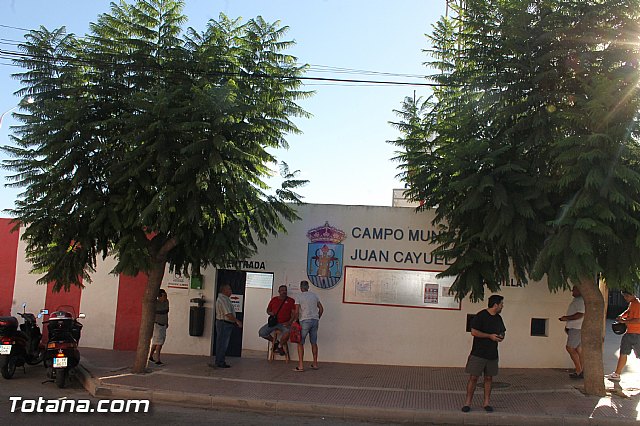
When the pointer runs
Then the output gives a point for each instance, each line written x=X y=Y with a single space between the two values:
x=398 y=287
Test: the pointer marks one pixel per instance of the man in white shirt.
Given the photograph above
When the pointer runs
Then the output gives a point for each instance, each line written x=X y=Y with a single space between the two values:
x=308 y=311
x=225 y=322
x=573 y=328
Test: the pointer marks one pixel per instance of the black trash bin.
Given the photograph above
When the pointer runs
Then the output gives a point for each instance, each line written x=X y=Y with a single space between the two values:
x=196 y=317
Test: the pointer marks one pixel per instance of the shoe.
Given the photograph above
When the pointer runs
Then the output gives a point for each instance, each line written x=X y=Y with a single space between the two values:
x=614 y=377
x=280 y=351
x=466 y=409
x=576 y=375
x=151 y=359
x=225 y=365
x=488 y=409
x=275 y=346
x=159 y=363
x=299 y=370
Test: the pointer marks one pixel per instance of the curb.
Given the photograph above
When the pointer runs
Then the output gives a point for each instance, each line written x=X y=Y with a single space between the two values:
x=344 y=412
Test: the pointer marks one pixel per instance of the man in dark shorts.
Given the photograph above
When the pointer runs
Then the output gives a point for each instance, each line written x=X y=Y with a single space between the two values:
x=487 y=329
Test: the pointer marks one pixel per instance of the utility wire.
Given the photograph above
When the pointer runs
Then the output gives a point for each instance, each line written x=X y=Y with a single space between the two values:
x=15 y=28
x=6 y=54
x=312 y=67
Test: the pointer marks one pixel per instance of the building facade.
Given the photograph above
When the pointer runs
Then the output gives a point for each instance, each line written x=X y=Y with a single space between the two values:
x=372 y=267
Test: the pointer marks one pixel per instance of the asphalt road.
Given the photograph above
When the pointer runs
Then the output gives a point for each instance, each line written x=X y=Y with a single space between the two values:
x=33 y=393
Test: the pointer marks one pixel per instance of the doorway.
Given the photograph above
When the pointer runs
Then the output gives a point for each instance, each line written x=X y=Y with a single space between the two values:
x=237 y=281
x=251 y=294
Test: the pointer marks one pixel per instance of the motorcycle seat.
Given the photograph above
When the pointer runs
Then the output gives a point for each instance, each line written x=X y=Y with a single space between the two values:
x=8 y=324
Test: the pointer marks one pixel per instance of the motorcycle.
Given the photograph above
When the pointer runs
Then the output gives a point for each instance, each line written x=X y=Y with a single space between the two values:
x=62 y=353
x=18 y=347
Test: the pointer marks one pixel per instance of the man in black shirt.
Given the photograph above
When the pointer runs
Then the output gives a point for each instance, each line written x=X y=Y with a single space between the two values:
x=487 y=329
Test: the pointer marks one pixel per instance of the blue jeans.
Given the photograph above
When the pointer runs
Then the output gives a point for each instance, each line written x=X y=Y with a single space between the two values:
x=310 y=327
x=265 y=330
x=223 y=335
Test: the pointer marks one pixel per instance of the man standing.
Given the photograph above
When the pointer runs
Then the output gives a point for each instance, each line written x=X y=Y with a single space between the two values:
x=160 y=325
x=225 y=321
x=280 y=306
x=631 y=339
x=573 y=326
x=487 y=329
x=308 y=311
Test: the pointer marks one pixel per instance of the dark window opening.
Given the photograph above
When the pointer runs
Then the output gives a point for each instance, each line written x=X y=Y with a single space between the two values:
x=539 y=327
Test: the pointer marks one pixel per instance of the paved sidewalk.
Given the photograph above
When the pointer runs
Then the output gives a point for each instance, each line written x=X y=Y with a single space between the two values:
x=368 y=392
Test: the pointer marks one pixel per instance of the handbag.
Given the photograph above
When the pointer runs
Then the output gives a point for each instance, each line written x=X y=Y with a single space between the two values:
x=272 y=321
x=295 y=333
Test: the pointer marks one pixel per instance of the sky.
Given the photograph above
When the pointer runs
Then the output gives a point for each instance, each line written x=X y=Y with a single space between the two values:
x=342 y=150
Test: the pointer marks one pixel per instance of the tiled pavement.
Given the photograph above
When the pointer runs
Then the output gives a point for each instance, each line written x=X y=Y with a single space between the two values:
x=374 y=392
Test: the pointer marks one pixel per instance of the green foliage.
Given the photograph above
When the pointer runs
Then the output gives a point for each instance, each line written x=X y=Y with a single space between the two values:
x=144 y=136
x=527 y=149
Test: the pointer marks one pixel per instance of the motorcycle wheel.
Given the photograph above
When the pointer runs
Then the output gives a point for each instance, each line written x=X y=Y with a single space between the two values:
x=61 y=377
x=38 y=358
x=9 y=368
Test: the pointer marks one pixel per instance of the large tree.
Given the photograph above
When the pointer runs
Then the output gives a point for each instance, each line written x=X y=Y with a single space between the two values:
x=528 y=149
x=152 y=144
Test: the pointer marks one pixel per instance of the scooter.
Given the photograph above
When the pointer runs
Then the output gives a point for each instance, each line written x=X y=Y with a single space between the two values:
x=18 y=347
x=62 y=353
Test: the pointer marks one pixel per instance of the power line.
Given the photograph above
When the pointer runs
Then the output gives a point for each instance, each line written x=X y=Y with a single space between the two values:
x=6 y=54
x=15 y=28
x=312 y=67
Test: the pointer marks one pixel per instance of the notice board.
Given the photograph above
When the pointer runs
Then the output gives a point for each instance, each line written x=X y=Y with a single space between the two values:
x=398 y=287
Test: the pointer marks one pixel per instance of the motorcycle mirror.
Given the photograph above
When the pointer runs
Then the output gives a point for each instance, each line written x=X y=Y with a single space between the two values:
x=39 y=315
x=81 y=316
x=44 y=312
x=24 y=307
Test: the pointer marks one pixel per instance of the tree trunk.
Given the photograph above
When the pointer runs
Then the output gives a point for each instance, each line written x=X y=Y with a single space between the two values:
x=158 y=264
x=592 y=337
x=148 y=315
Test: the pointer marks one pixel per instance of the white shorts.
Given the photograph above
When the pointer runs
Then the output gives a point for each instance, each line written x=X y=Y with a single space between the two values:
x=159 y=334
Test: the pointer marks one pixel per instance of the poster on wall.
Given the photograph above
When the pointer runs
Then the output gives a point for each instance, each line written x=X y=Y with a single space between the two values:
x=177 y=280
x=398 y=287
x=259 y=280
x=237 y=302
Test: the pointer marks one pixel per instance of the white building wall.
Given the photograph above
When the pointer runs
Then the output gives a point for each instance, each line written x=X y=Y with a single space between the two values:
x=403 y=335
x=353 y=333
x=99 y=302
x=25 y=288
x=178 y=339
x=255 y=316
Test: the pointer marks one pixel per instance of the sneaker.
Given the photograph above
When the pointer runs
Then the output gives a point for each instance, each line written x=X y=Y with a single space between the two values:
x=614 y=377
x=576 y=375
x=159 y=363
x=275 y=346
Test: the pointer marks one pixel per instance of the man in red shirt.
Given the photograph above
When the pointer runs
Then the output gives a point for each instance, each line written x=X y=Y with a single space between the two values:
x=631 y=339
x=281 y=306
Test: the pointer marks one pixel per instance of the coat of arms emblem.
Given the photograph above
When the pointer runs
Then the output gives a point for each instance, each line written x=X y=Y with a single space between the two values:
x=324 y=256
